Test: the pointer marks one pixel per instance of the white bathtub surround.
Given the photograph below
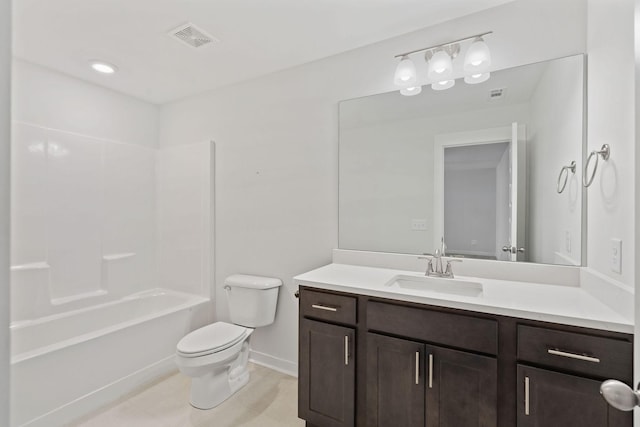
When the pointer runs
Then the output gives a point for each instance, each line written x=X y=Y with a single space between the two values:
x=90 y=216
x=68 y=364
x=100 y=215
x=76 y=202
x=558 y=294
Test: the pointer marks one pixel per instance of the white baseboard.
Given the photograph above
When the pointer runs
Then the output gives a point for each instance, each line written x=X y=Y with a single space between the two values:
x=275 y=363
x=101 y=397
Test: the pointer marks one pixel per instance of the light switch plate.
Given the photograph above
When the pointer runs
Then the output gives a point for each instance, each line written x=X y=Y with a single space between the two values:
x=419 y=224
x=616 y=255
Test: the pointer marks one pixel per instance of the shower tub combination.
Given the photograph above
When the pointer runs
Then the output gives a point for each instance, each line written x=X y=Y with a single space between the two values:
x=66 y=365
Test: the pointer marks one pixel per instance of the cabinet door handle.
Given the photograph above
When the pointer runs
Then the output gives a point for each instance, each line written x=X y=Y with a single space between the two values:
x=526 y=395
x=323 y=307
x=346 y=350
x=417 y=367
x=573 y=355
x=431 y=371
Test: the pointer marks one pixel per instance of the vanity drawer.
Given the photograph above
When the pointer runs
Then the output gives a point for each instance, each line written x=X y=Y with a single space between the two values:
x=449 y=329
x=327 y=306
x=581 y=353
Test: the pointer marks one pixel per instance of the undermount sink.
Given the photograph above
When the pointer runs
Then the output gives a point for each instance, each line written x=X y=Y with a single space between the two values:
x=436 y=284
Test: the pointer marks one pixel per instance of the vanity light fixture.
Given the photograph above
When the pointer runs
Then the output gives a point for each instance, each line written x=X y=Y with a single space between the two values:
x=405 y=73
x=410 y=91
x=443 y=85
x=478 y=57
x=440 y=65
x=103 y=67
x=476 y=78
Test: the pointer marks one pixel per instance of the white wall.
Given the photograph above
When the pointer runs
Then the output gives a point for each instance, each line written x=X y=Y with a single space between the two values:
x=5 y=106
x=611 y=120
x=556 y=117
x=277 y=139
x=185 y=214
x=470 y=207
x=50 y=99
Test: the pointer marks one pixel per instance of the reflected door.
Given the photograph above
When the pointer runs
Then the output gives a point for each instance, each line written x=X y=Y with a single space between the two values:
x=480 y=193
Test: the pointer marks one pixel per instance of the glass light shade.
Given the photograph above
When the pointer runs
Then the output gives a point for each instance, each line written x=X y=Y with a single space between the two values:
x=411 y=91
x=440 y=66
x=478 y=57
x=473 y=79
x=443 y=85
x=405 y=73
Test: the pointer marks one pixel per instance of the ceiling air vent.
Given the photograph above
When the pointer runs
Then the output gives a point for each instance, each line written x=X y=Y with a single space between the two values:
x=192 y=35
x=496 y=94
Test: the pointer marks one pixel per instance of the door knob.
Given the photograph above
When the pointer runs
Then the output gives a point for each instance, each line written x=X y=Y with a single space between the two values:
x=512 y=249
x=619 y=395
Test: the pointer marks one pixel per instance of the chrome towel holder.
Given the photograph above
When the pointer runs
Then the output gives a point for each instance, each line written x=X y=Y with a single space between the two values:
x=604 y=152
x=565 y=172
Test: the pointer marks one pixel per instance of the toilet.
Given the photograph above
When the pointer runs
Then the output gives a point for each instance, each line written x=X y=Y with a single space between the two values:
x=215 y=356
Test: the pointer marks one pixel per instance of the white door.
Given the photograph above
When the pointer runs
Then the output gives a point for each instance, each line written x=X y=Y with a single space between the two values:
x=517 y=189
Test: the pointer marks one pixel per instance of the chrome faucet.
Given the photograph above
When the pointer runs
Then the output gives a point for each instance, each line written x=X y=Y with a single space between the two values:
x=437 y=270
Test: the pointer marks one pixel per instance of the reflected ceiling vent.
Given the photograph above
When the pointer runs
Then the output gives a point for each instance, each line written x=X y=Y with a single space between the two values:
x=192 y=35
x=496 y=94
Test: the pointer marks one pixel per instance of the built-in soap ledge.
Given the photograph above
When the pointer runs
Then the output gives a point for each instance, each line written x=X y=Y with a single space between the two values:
x=490 y=269
x=116 y=257
x=41 y=265
x=77 y=297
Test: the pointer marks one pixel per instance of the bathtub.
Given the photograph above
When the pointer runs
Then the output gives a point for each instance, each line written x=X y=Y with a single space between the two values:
x=66 y=365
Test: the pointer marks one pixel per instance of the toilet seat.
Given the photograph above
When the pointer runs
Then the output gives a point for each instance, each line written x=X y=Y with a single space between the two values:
x=211 y=339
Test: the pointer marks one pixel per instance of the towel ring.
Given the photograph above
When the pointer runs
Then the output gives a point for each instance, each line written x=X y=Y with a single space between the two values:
x=565 y=171
x=604 y=152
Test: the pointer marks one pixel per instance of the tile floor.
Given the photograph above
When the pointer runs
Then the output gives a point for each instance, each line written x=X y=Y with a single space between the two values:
x=269 y=400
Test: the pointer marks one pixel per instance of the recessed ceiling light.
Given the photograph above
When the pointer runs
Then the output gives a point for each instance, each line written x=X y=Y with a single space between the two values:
x=103 y=67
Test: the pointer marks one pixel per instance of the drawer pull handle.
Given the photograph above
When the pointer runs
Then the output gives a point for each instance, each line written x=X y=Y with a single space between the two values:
x=431 y=371
x=324 y=307
x=526 y=395
x=417 y=367
x=346 y=350
x=574 y=356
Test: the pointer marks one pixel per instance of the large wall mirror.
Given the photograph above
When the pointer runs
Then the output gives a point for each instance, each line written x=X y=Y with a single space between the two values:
x=486 y=167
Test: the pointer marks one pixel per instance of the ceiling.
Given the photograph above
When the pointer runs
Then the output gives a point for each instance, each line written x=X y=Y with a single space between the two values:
x=257 y=37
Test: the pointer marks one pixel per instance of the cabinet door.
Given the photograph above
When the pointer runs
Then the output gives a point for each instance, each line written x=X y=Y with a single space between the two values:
x=395 y=382
x=326 y=383
x=461 y=389
x=549 y=399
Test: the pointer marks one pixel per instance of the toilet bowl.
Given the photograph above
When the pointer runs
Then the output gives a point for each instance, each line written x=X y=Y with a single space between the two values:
x=216 y=356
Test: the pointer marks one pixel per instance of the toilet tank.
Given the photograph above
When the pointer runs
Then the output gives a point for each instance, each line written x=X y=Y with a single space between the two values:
x=252 y=299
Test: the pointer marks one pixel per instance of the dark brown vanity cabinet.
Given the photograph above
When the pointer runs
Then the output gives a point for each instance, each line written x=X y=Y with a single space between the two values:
x=559 y=377
x=412 y=384
x=462 y=389
x=395 y=382
x=549 y=398
x=327 y=376
x=430 y=366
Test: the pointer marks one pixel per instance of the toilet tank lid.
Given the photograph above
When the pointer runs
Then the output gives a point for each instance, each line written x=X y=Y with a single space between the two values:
x=255 y=282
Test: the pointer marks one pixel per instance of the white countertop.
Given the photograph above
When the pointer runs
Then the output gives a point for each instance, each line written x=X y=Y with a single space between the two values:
x=570 y=305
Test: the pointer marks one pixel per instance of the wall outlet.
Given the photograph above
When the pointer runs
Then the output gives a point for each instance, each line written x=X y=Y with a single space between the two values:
x=419 y=224
x=616 y=255
x=567 y=241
